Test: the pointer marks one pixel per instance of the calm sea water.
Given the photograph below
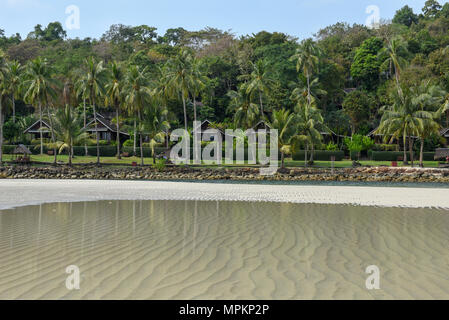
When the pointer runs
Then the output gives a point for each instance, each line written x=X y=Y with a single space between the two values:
x=222 y=250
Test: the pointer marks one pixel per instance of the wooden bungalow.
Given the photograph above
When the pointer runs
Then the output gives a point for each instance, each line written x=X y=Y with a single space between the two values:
x=22 y=154
x=445 y=133
x=441 y=154
x=36 y=128
x=105 y=129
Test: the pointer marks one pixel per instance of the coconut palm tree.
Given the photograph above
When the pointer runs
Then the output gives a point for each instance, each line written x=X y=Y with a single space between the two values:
x=39 y=87
x=283 y=121
x=81 y=90
x=94 y=80
x=14 y=70
x=3 y=86
x=260 y=82
x=309 y=124
x=198 y=84
x=155 y=125
x=301 y=89
x=179 y=76
x=115 y=95
x=138 y=94
x=307 y=57
x=68 y=130
x=403 y=120
x=395 y=61
x=246 y=113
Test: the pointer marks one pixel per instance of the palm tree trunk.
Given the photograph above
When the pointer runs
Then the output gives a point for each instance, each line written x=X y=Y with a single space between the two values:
x=135 y=137
x=118 y=131
x=421 y=154
x=141 y=141
x=185 y=111
x=410 y=146
x=96 y=132
x=194 y=107
x=85 y=124
x=53 y=140
x=40 y=131
x=305 y=155
x=405 y=150
x=1 y=132
x=282 y=160
x=13 y=109
x=308 y=89
x=312 y=153
x=261 y=105
x=154 y=156
x=70 y=154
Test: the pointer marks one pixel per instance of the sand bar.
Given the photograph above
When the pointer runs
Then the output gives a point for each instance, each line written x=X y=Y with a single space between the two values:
x=17 y=193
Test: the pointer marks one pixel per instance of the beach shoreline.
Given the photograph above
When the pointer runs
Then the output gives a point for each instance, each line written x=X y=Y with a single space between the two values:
x=27 y=192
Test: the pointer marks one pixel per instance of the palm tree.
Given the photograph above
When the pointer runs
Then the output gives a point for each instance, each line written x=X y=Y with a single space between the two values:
x=283 y=122
x=179 y=76
x=81 y=89
x=161 y=93
x=393 y=50
x=115 y=94
x=3 y=86
x=259 y=82
x=428 y=98
x=199 y=81
x=68 y=130
x=403 y=119
x=138 y=93
x=39 y=87
x=309 y=121
x=94 y=83
x=301 y=89
x=155 y=125
x=14 y=70
x=245 y=112
x=307 y=58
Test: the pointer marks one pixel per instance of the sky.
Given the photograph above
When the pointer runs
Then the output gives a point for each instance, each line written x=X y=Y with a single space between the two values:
x=299 y=18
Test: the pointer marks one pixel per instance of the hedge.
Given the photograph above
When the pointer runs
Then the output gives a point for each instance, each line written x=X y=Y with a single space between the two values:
x=394 y=156
x=320 y=155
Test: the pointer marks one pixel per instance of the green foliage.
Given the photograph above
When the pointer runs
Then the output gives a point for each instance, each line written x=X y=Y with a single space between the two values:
x=358 y=143
x=319 y=155
x=405 y=16
x=365 y=68
x=332 y=147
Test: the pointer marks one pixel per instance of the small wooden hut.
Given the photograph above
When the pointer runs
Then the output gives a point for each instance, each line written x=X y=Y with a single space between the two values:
x=441 y=154
x=22 y=154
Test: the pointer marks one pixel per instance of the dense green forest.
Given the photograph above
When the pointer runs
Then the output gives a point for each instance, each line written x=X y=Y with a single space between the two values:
x=347 y=79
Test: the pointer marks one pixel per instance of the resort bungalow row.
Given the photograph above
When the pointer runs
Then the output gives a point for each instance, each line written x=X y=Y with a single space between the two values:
x=105 y=129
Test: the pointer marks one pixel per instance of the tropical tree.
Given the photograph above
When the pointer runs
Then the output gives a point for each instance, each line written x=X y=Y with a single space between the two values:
x=260 y=82
x=155 y=125
x=2 y=96
x=301 y=89
x=138 y=94
x=283 y=121
x=403 y=119
x=14 y=74
x=81 y=90
x=309 y=125
x=395 y=49
x=179 y=77
x=245 y=112
x=39 y=87
x=94 y=80
x=115 y=95
x=68 y=130
x=198 y=83
x=307 y=58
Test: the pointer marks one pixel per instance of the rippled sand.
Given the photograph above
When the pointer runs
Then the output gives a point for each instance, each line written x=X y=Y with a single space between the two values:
x=222 y=250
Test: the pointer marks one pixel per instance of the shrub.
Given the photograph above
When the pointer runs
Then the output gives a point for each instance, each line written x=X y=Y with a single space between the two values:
x=128 y=143
x=385 y=147
x=331 y=147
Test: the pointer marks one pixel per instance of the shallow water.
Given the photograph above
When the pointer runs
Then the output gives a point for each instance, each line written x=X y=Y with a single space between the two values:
x=222 y=250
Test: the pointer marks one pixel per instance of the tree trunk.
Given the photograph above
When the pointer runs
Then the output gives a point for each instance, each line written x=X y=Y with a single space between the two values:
x=194 y=108
x=70 y=154
x=53 y=140
x=1 y=132
x=261 y=105
x=135 y=136
x=154 y=156
x=85 y=124
x=312 y=153
x=410 y=145
x=141 y=142
x=308 y=90
x=282 y=160
x=405 y=150
x=305 y=155
x=13 y=109
x=40 y=130
x=447 y=119
x=118 y=131
x=421 y=154
x=185 y=111
x=96 y=132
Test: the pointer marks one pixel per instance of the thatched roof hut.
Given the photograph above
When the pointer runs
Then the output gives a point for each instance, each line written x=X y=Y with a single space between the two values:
x=22 y=149
x=441 y=154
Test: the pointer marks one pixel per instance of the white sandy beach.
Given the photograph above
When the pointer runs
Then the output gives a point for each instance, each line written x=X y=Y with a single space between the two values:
x=17 y=193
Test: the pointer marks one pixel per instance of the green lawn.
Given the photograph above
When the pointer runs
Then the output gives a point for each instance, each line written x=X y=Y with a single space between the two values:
x=148 y=161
